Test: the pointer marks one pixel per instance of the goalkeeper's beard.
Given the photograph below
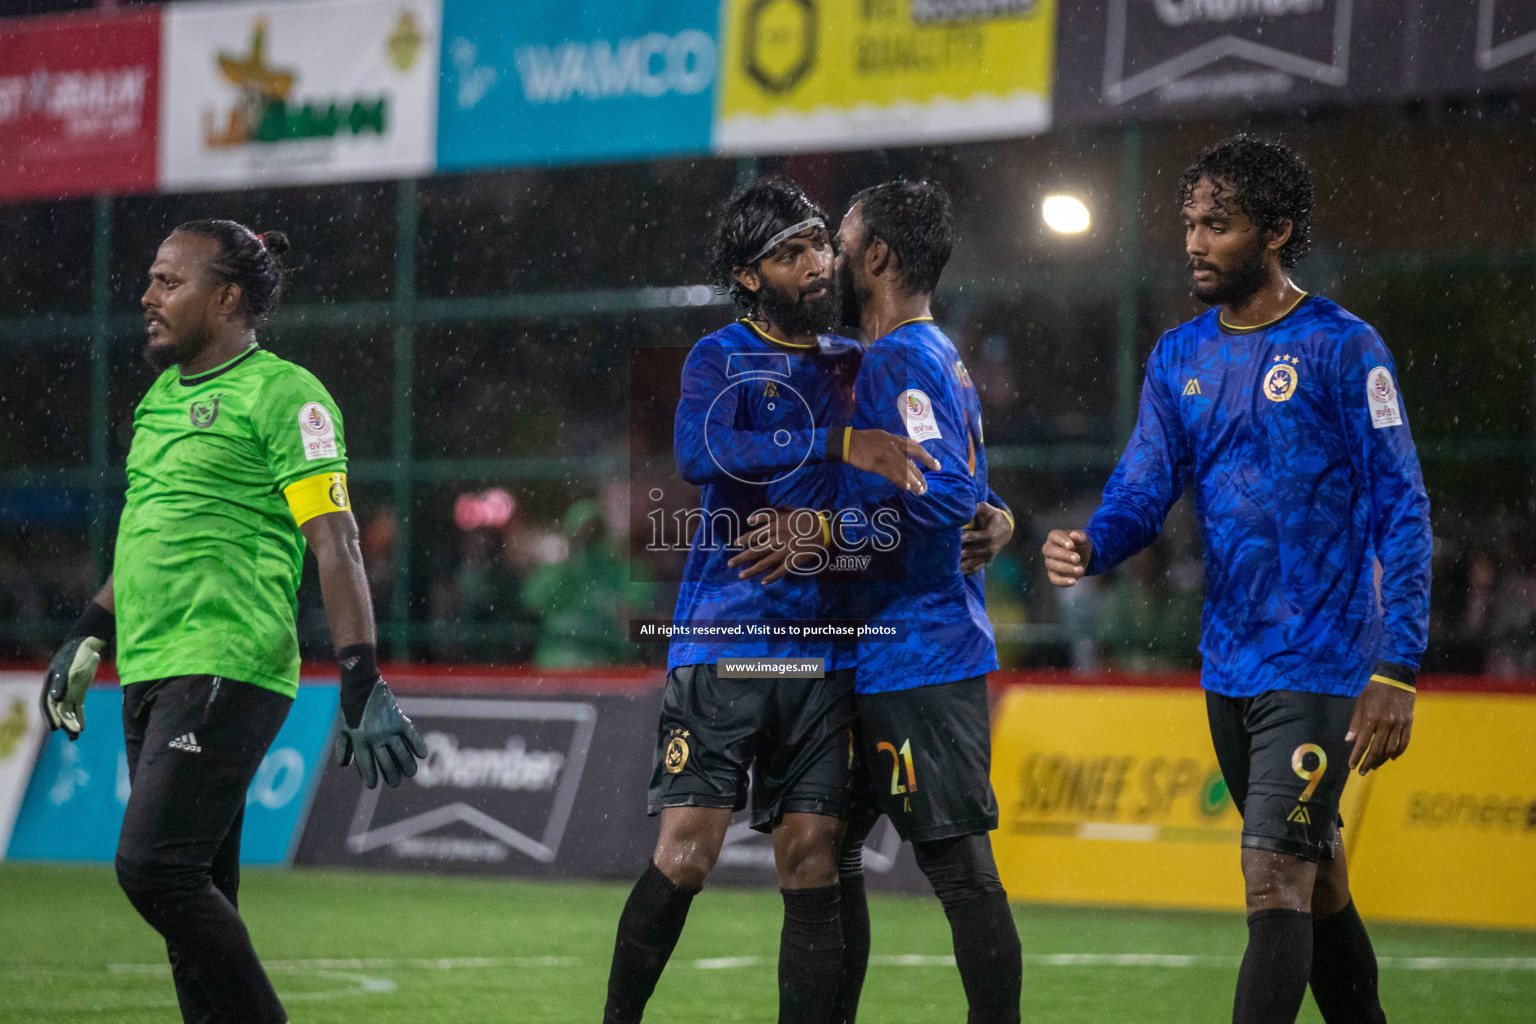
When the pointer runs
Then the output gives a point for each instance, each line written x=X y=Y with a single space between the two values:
x=166 y=354
x=797 y=316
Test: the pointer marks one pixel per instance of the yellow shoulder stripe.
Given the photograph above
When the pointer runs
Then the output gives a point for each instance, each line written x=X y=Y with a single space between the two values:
x=317 y=495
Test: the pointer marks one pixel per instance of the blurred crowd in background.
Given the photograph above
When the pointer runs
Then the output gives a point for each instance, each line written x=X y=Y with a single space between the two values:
x=504 y=586
x=503 y=459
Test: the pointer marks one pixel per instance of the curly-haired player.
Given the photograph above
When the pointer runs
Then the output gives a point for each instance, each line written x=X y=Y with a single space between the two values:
x=1281 y=410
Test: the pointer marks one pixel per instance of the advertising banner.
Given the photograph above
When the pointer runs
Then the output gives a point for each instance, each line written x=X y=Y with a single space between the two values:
x=547 y=81
x=806 y=75
x=552 y=786
x=1471 y=46
x=74 y=805
x=1173 y=58
x=1451 y=834
x=321 y=90
x=510 y=786
x=78 y=104
x=1113 y=795
x=21 y=732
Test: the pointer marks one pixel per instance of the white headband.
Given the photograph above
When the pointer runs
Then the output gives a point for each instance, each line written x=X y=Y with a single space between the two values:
x=789 y=232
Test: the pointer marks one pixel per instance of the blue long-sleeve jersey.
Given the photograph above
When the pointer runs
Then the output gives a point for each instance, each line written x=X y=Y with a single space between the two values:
x=760 y=424
x=913 y=382
x=1304 y=472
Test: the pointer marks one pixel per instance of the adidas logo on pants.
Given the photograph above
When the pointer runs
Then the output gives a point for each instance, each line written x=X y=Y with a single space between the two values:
x=187 y=742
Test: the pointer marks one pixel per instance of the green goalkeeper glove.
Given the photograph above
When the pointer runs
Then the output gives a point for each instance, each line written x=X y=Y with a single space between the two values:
x=70 y=674
x=383 y=742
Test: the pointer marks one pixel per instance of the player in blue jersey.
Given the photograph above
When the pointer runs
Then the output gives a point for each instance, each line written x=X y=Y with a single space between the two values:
x=922 y=704
x=1280 y=410
x=763 y=422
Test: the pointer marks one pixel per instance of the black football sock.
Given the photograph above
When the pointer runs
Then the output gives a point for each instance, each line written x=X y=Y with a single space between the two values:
x=810 y=955
x=988 y=955
x=853 y=908
x=1273 y=978
x=648 y=930
x=1344 y=970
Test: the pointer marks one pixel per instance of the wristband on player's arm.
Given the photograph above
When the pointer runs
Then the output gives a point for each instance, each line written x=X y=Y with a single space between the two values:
x=94 y=621
x=1398 y=676
x=837 y=444
x=73 y=669
x=359 y=671
x=375 y=734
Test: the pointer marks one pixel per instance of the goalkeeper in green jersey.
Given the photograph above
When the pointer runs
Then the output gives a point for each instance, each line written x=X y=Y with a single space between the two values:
x=237 y=462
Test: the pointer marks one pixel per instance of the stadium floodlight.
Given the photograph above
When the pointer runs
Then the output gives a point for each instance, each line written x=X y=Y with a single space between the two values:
x=1065 y=215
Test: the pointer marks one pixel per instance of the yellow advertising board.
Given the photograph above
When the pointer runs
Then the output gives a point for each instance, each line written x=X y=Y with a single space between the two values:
x=805 y=75
x=1450 y=832
x=1112 y=795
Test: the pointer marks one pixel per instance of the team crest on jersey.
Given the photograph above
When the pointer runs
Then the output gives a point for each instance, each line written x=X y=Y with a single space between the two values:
x=1381 y=399
x=1280 y=381
x=314 y=419
x=916 y=411
x=316 y=432
x=963 y=374
x=203 y=414
x=676 y=757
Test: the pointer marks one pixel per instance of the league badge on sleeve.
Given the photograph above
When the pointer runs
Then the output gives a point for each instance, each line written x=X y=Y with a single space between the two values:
x=316 y=432
x=917 y=413
x=1381 y=399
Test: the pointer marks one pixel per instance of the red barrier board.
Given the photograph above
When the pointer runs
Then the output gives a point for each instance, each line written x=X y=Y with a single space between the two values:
x=79 y=104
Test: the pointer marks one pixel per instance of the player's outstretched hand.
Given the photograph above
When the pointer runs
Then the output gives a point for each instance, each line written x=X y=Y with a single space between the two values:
x=894 y=457
x=777 y=536
x=69 y=675
x=1067 y=554
x=1381 y=726
x=383 y=742
x=988 y=533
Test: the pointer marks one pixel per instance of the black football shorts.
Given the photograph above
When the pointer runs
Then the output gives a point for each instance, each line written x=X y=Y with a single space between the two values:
x=927 y=758
x=795 y=736
x=1285 y=761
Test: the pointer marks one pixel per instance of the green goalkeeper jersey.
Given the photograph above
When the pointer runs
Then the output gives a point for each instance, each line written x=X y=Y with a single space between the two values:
x=223 y=468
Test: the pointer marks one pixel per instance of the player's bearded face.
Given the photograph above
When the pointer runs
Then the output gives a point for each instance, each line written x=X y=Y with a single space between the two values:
x=800 y=307
x=1226 y=251
x=1237 y=278
x=180 y=301
x=850 y=293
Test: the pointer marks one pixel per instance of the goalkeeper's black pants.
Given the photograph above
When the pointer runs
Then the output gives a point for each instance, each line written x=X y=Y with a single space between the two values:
x=194 y=744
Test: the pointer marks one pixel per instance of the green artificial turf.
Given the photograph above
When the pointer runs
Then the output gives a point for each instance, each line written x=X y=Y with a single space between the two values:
x=380 y=949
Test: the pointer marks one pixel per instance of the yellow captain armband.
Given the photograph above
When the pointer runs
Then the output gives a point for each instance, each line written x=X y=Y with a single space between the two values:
x=847 y=439
x=317 y=495
x=1387 y=681
x=826 y=529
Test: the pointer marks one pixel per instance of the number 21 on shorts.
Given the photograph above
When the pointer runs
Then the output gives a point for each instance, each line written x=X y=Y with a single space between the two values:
x=899 y=759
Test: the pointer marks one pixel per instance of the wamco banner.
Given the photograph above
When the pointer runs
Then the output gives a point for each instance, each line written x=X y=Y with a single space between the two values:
x=78 y=104
x=548 y=81
x=806 y=75
x=324 y=90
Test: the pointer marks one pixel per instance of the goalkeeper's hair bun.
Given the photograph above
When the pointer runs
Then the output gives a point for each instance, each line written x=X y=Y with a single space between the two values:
x=253 y=261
